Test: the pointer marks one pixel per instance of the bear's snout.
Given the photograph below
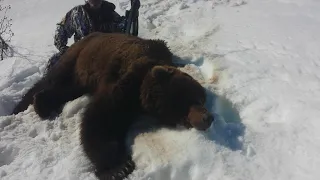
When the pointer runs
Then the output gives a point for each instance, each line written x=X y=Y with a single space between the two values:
x=208 y=118
x=200 y=118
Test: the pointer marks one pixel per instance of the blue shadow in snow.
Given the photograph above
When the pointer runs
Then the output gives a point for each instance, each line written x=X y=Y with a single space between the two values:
x=227 y=127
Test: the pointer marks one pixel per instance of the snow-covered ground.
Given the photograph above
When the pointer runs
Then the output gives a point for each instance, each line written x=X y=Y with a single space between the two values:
x=259 y=61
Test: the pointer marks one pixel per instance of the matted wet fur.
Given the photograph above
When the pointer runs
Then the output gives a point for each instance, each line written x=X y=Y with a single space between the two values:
x=126 y=76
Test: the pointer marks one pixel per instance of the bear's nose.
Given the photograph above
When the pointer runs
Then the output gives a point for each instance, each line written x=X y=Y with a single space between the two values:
x=208 y=118
x=200 y=118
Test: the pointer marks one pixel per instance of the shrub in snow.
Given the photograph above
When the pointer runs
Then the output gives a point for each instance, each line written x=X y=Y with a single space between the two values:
x=5 y=31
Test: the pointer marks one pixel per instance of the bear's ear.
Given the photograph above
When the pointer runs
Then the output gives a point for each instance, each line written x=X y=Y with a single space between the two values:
x=161 y=72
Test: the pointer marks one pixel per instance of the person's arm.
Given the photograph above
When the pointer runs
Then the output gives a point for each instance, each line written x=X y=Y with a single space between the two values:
x=63 y=32
x=119 y=22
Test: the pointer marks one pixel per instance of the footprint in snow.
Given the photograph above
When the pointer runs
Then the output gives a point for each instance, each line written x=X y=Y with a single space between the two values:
x=2 y=173
x=5 y=122
x=33 y=133
x=7 y=154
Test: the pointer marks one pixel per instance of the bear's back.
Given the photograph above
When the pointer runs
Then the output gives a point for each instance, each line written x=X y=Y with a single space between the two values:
x=98 y=52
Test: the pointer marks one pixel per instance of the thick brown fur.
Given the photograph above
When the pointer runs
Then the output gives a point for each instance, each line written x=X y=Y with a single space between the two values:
x=112 y=54
x=125 y=76
x=174 y=97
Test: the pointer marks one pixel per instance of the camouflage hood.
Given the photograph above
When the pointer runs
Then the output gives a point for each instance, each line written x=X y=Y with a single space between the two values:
x=82 y=20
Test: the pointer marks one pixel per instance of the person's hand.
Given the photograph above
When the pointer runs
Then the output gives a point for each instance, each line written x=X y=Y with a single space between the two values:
x=63 y=49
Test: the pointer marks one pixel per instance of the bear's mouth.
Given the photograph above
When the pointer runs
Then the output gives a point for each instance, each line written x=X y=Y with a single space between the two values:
x=185 y=121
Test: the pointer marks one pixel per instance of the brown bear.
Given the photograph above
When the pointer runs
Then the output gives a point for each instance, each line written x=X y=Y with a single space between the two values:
x=112 y=54
x=126 y=77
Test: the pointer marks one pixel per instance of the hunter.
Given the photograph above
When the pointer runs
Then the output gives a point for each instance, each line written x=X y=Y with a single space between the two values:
x=81 y=20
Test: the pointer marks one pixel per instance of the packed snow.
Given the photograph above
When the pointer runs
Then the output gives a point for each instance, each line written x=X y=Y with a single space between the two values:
x=258 y=60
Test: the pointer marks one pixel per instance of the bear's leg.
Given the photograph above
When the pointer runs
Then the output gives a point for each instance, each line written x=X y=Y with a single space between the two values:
x=52 y=99
x=27 y=99
x=59 y=75
x=103 y=132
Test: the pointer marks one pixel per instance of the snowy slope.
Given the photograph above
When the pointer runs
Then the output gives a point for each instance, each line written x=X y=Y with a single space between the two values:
x=259 y=61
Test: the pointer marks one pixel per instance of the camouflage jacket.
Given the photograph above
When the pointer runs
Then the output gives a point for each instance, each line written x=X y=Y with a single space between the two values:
x=81 y=20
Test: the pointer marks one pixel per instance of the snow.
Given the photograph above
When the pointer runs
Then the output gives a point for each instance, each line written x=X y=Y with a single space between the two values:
x=259 y=61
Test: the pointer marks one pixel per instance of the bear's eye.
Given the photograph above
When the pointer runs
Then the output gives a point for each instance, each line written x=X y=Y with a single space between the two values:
x=203 y=100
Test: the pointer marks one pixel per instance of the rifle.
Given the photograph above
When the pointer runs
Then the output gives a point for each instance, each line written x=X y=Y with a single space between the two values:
x=132 y=18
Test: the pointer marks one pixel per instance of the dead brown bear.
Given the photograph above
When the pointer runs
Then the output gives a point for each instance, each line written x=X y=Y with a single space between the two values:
x=126 y=76
x=77 y=72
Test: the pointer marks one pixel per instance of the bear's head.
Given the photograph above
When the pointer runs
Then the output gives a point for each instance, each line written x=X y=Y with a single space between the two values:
x=175 y=97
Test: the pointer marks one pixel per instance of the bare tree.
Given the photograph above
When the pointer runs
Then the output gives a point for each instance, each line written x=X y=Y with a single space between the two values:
x=5 y=31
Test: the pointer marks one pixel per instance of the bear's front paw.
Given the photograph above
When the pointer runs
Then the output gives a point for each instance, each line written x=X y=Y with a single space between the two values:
x=118 y=173
x=42 y=103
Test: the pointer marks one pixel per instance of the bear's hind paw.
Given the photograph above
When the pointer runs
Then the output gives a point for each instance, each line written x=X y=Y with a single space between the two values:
x=45 y=105
x=40 y=102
